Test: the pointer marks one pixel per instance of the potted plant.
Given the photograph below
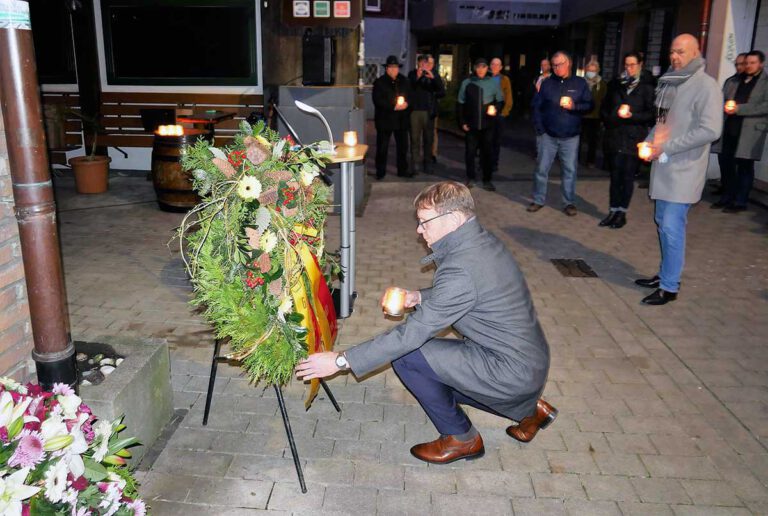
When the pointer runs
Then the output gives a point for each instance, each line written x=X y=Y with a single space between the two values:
x=91 y=170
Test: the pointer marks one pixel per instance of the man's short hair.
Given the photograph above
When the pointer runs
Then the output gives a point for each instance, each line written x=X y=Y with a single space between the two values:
x=757 y=53
x=446 y=196
x=742 y=54
x=422 y=58
x=561 y=53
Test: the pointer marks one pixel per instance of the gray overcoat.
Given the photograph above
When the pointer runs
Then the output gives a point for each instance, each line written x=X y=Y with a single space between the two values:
x=503 y=360
x=694 y=121
x=755 y=115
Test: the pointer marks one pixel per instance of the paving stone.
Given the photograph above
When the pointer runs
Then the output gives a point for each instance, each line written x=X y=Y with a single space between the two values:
x=538 y=506
x=432 y=479
x=675 y=445
x=571 y=462
x=382 y=476
x=605 y=487
x=699 y=510
x=660 y=490
x=361 y=500
x=514 y=484
x=397 y=503
x=462 y=504
x=329 y=471
x=557 y=485
x=357 y=450
x=589 y=507
x=620 y=464
x=265 y=469
x=231 y=492
x=288 y=497
x=193 y=462
x=379 y=431
x=645 y=509
x=630 y=443
x=680 y=467
x=711 y=492
x=586 y=442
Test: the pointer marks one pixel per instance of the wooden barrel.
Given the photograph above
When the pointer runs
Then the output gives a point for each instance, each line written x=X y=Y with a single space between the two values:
x=173 y=184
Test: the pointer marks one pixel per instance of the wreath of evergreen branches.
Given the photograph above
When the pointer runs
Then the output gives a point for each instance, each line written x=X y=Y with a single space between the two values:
x=261 y=197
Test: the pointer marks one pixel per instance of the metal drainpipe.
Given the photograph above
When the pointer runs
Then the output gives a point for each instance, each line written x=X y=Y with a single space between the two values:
x=704 y=32
x=54 y=354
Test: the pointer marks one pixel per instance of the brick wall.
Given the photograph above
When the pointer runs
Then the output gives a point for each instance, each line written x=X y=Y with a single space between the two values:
x=15 y=329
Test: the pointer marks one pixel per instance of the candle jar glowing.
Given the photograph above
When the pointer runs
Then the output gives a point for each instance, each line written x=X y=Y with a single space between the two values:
x=565 y=102
x=644 y=150
x=491 y=110
x=400 y=100
x=730 y=106
x=350 y=138
x=624 y=111
x=394 y=301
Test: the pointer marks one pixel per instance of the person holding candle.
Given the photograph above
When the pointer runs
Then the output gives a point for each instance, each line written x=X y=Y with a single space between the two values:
x=744 y=129
x=501 y=363
x=427 y=87
x=498 y=125
x=391 y=95
x=689 y=117
x=476 y=94
x=557 y=110
x=628 y=113
x=590 y=124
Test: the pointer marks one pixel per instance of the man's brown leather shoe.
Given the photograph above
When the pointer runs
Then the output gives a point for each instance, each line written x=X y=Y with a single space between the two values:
x=527 y=428
x=449 y=449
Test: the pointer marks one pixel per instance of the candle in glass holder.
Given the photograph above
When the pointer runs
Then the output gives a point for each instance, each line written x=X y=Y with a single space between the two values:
x=394 y=301
x=730 y=106
x=400 y=100
x=491 y=110
x=350 y=138
x=565 y=102
x=624 y=111
x=644 y=150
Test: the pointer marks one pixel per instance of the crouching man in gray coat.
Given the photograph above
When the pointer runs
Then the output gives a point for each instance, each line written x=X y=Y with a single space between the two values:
x=500 y=365
x=689 y=117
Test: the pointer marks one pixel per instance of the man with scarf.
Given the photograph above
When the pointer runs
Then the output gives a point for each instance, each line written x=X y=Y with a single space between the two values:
x=689 y=117
x=500 y=364
x=743 y=133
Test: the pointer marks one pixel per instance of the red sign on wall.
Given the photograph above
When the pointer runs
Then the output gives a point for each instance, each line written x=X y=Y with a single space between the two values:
x=342 y=9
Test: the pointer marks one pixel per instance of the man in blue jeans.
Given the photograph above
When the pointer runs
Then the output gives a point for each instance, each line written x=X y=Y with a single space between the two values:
x=557 y=110
x=689 y=117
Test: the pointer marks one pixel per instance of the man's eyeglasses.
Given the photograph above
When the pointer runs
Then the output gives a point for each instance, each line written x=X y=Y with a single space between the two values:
x=421 y=223
x=558 y=65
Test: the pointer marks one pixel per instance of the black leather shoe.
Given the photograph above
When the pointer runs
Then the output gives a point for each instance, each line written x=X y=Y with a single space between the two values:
x=619 y=221
x=719 y=205
x=607 y=221
x=660 y=297
x=648 y=283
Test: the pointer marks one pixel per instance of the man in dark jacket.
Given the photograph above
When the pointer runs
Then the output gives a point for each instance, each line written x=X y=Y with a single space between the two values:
x=480 y=102
x=557 y=110
x=391 y=97
x=427 y=87
x=743 y=136
x=501 y=363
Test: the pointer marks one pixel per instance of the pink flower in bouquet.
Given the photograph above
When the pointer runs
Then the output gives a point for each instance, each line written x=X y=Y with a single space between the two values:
x=63 y=389
x=138 y=506
x=29 y=450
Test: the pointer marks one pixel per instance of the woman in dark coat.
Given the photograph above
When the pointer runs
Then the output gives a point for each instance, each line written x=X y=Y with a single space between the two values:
x=628 y=113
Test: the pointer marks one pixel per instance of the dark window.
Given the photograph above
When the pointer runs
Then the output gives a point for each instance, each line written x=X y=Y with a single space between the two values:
x=174 y=42
x=54 y=48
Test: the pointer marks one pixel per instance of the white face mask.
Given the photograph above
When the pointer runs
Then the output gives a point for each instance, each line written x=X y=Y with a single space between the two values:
x=591 y=75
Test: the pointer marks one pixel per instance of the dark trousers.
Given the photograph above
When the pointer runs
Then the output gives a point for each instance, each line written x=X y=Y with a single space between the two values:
x=422 y=139
x=737 y=176
x=623 y=179
x=498 y=129
x=382 y=150
x=439 y=401
x=590 y=129
x=482 y=139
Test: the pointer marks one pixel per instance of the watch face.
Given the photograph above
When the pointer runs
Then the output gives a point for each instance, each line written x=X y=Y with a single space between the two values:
x=341 y=361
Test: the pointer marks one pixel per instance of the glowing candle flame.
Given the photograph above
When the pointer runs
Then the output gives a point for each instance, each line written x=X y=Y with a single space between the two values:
x=644 y=150
x=350 y=138
x=730 y=106
x=394 y=301
x=624 y=111
x=170 y=130
x=400 y=100
x=565 y=101
x=491 y=110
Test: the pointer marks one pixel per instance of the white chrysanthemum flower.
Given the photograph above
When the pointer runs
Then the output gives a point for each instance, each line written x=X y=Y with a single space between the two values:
x=249 y=188
x=263 y=218
x=102 y=431
x=286 y=306
x=268 y=241
x=56 y=481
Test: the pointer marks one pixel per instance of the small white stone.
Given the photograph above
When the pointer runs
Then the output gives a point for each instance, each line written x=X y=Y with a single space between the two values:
x=86 y=383
x=107 y=361
x=119 y=361
x=107 y=369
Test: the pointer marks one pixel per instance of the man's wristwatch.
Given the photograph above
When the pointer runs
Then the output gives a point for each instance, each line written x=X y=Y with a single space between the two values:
x=341 y=362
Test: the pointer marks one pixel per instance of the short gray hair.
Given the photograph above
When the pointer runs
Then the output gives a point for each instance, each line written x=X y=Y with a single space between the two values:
x=446 y=196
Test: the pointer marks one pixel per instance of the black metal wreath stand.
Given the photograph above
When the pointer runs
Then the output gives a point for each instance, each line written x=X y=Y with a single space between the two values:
x=280 y=402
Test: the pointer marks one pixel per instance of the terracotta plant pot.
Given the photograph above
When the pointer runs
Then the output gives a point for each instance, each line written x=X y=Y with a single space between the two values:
x=91 y=173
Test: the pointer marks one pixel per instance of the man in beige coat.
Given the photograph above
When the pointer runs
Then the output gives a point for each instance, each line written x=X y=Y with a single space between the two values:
x=689 y=117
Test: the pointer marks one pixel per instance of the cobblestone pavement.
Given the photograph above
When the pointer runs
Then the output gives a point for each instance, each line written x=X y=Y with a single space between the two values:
x=663 y=410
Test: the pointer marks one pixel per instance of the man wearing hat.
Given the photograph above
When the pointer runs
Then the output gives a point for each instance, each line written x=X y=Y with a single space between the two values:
x=391 y=94
x=480 y=100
